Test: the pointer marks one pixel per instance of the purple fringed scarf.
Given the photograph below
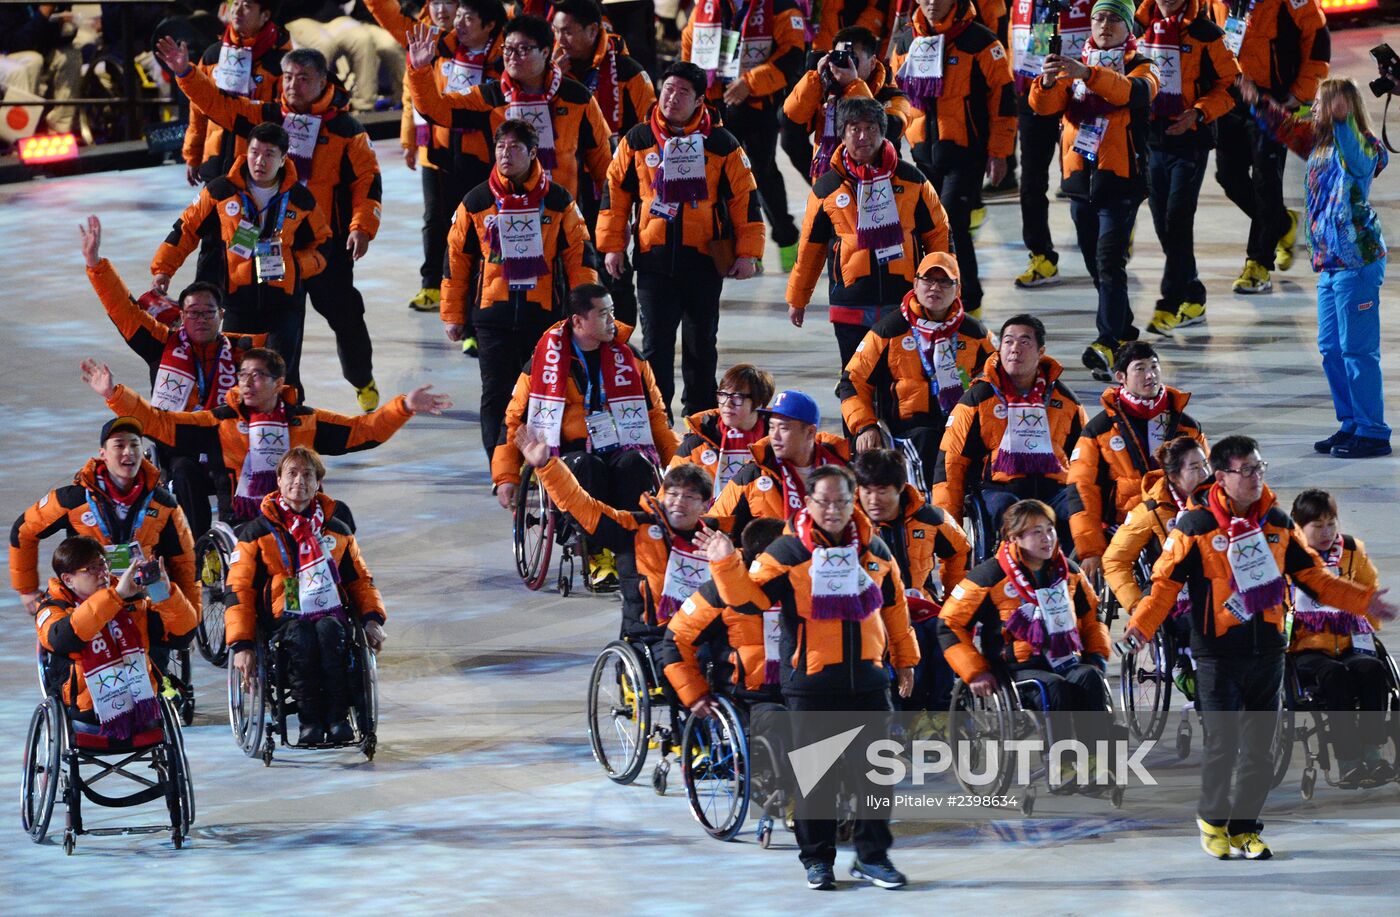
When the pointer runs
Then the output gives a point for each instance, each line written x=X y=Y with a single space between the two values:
x=1046 y=618
x=1311 y=614
x=877 y=213
x=772 y=645
x=1254 y=571
x=841 y=589
x=517 y=235
x=268 y=440
x=921 y=75
x=826 y=144
x=1025 y=446
x=119 y=680
x=936 y=345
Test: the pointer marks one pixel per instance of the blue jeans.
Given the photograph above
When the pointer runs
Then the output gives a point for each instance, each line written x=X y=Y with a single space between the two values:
x=1104 y=231
x=1349 y=339
x=1174 y=188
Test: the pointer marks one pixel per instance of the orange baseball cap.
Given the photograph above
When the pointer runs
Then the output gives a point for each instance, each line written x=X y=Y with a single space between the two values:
x=941 y=261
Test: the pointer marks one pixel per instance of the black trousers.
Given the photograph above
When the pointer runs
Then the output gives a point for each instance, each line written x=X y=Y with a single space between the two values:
x=1039 y=136
x=333 y=294
x=623 y=290
x=1249 y=167
x=1238 y=697
x=316 y=667
x=443 y=190
x=635 y=21
x=956 y=174
x=282 y=318
x=1344 y=684
x=504 y=351
x=797 y=144
x=1173 y=191
x=757 y=130
x=192 y=485
x=925 y=439
x=816 y=838
x=1104 y=231
x=1076 y=697
x=848 y=338
x=933 y=678
x=618 y=478
x=690 y=303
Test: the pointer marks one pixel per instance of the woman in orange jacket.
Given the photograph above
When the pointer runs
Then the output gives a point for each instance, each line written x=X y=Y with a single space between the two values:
x=96 y=627
x=1334 y=652
x=1105 y=98
x=722 y=440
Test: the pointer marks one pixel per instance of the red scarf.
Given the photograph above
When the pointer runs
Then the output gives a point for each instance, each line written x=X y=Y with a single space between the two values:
x=261 y=43
x=624 y=392
x=314 y=568
x=125 y=500
x=841 y=589
x=533 y=108
x=794 y=491
x=518 y=217
x=714 y=17
x=681 y=176
x=177 y=381
x=737 y=444
x=687 y=569
x=298 y=153
x=1254 y=572
x=118 y=679
x=1183 y=598
x=1162 y=42
x=937 y=348
x=1151 y=412
x=268 y=440
x=1084 y=103
x=1032 y=622
x=238 y=57
x=1312 y=615
x=1142 y=408
x=1025 y=447
x=877 y=213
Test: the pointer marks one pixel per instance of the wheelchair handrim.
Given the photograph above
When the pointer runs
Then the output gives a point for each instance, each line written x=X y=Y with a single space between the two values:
x=717 y=786
x=617 y=697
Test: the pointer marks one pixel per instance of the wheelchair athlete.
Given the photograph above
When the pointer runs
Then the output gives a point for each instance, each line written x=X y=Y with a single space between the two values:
x=307 y=560
x=658 y=562
x=1334 y=651
x=1167 y=494
x=721 y=440
x=98 y=630
x=748 y=644
x=1049 y=610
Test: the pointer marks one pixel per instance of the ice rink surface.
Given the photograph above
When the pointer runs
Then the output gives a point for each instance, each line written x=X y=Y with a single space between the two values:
x=483 y=796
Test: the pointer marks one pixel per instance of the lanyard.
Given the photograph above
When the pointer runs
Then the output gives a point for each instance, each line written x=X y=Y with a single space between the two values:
x=588 y=379
x=928 y=368
x=281 y=200
x=107 y=527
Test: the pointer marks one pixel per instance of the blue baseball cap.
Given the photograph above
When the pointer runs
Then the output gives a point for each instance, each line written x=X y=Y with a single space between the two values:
x=796 y=405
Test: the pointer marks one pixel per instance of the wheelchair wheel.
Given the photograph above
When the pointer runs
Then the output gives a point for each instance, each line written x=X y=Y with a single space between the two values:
x=980 y=528
x=181 y=675
x=767 y=788
x=715 y=769
x=211 y=554
x=102 y=79
x=1281 y=749
x=979 y=730
x=619 y=712
x=1145 y=688
x=533 y=533
x=179 y=794
x=247 y=708
x=367 y=712
x=41 y=662
x=43 y=770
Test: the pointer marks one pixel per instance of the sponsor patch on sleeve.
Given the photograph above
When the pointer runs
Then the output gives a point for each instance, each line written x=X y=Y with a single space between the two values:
x=689 y=606
x=998 y=52
x=233 y=558
x=798 y=24
x=44 y=616
x=959 y=591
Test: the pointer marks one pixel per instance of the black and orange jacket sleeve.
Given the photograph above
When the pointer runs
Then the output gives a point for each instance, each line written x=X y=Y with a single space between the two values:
x=1287 y=49
x=699 y=623
x=185 y=431
x=338 y=434
x=612 y=527
x=1356 y=567
x=44 y=519
x=142 y=333
x=1147 y=522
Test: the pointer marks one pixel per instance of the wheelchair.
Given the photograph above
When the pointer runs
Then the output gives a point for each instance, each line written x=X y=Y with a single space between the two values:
x=1300 y=703
x=57 y=751
x=979 y=526
x=626 y=697
x=538 y=526
x=212 y=556
x=913 y=461
x=980 y=728
x=258 y=714
x=177 y=670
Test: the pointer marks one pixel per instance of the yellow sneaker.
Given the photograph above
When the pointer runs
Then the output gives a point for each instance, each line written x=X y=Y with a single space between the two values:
x=1250 y=846
x=1253 y=279
x=1163 y=322
x=1190 y=313
x=1098 y=359
x=979 y=216
x=427 y=300
x=469 y=347
x=602 y=567
x=787 y=256
x=1283 y=251
x=1214 y=840
x=1040 y=272
x=212 y=571
x=368 y=396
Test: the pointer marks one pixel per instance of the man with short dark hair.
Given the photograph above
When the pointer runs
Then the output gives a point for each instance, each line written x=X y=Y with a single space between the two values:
x=1013 y=430
x=688 y=186
x=335 y=162
x=517 y=240
x=1230 y=554
x=871 y=220
x=272 y=233
x=610 y=425
x=260 y=420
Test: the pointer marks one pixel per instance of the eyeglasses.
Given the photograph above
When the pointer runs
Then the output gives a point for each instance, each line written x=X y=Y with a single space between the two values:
x=518 y=50
x=731 y=397
x=936 y=281
x=254 y=375
x=97 y=569
x=829 y=505
x=200 y=313
x=1249 y=471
